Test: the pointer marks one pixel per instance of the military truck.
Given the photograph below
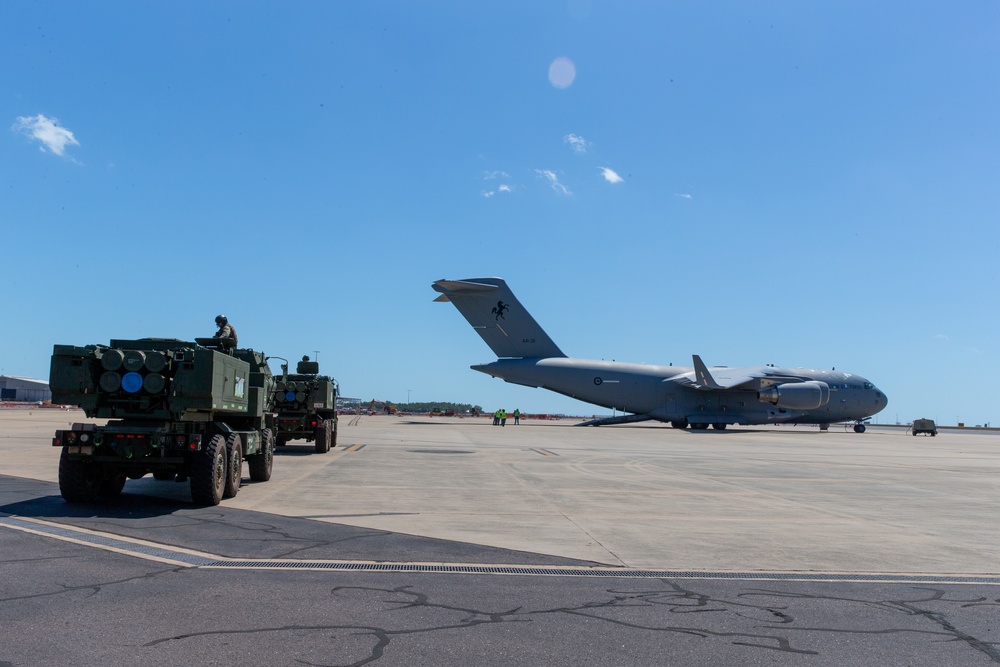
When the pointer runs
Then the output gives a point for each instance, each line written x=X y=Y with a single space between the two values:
x=926 y=426
x=176 y=409
x=306 y=406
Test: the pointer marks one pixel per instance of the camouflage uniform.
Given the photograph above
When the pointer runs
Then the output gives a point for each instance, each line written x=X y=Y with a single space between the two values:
x=227 y=331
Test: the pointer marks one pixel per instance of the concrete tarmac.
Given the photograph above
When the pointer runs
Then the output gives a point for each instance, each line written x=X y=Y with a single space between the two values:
x=443 y=541
x=641 y=496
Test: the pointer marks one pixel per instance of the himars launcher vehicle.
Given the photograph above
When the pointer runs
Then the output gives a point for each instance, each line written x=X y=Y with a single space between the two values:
x=696 y=396
x=306 y=406
x=175 y=409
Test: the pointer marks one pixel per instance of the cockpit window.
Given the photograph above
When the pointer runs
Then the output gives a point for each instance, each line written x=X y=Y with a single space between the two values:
x=869 y=385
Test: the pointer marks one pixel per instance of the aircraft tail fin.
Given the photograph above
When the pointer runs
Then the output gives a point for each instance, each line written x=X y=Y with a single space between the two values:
x=498 y=317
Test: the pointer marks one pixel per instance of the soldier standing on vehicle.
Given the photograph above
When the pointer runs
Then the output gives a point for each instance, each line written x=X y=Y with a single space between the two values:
x=226 y=330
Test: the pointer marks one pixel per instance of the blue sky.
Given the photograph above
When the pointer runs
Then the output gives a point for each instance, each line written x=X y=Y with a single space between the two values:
x=801 y=184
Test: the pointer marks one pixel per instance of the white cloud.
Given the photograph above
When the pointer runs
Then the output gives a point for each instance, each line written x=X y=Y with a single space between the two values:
x=577 y=143
x=503 y=187
x=684 y=196
x=491 y=175
x=610 y=176
x=46 y=130
x=553 y=180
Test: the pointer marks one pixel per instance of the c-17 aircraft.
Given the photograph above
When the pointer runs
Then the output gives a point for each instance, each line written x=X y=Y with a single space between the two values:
x=698 y=396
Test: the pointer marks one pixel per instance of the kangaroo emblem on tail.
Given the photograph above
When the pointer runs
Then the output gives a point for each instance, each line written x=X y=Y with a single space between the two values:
x=499 y=310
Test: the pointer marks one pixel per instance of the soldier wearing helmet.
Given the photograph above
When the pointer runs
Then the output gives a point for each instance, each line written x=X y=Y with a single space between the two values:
x=226 y=331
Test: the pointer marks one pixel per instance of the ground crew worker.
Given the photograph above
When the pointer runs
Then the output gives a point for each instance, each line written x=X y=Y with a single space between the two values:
x=496 y=418
x=517 y=416
x=503 y=417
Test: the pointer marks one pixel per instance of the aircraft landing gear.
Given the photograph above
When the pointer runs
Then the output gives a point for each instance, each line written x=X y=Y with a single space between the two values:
x=719 y=427
x=859 y=426
x=680 y=423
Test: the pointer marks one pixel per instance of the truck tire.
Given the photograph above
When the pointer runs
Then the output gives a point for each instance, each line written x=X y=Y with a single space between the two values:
x=208 y=473
x=261 y=463
x=333 y=438
x=79 y=481
x=322 y=435
x=112 y=486
x=234 y=465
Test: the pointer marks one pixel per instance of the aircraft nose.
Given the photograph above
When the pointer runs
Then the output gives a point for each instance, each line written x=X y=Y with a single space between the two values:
x=879 y=398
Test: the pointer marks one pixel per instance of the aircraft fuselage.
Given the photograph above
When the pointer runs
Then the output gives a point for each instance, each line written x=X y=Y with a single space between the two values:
x=654 y=391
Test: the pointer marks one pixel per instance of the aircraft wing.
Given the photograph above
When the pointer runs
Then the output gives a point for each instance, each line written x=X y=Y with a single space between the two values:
x=718 y=378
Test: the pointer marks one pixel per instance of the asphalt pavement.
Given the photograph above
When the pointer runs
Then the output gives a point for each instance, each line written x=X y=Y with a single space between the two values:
x=428 y=541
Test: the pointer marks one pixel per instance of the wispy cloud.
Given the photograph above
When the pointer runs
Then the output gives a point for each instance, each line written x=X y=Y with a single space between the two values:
x=684 y=195
x=577 y=143
x=610 y=176
x=553 y=180
x=53 y=138
x=502 y=188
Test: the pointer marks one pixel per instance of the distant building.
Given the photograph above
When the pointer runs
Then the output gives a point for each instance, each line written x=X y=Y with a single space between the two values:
x=23 y=389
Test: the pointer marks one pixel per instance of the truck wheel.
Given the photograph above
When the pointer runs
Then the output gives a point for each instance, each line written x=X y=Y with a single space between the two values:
x=333 y=438
x=208 y=473
x=322 y=435
x=328 y=431
x=78 y=480
x=111 y=487
x=234 y=465
x=261 y=463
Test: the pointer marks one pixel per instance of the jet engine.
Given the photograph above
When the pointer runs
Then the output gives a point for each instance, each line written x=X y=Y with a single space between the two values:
x=797 y=395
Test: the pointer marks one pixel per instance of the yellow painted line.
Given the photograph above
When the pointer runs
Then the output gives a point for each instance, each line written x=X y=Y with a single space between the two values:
x=355 y=447
x=543 y=452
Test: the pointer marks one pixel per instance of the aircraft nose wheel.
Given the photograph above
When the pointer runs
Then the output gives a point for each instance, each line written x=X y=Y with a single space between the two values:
x=859 y=428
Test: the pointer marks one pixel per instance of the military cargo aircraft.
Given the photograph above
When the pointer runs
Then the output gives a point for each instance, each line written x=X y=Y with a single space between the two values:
x=698 y=396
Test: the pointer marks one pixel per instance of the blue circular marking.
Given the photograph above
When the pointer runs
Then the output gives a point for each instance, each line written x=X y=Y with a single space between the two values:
x=132 y=382
x=289 y=395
